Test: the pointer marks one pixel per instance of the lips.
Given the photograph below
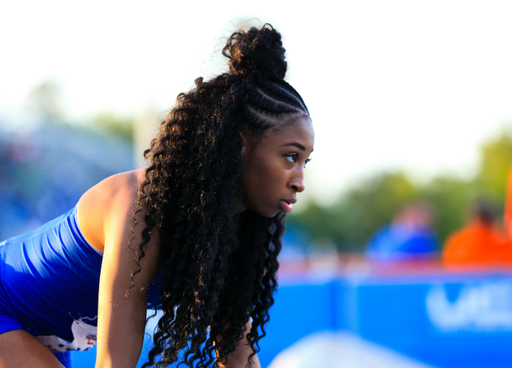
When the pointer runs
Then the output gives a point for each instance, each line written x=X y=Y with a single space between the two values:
x=286 y=204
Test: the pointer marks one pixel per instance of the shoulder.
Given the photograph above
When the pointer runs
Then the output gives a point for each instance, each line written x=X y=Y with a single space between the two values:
x=112 y=201
x=115 y=187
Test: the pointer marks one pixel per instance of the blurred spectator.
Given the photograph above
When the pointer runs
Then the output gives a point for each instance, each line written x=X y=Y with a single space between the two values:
x=481 y=243
x=408 y=237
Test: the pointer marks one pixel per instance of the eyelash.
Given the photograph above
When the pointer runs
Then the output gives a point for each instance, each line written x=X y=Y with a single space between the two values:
x=294 y=157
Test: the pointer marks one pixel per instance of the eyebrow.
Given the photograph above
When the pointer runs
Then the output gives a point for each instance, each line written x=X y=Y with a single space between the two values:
x=298 y=145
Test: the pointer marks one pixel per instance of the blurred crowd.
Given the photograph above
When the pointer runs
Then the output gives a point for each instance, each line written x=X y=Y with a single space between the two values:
x=43 y=173
x=485 y=241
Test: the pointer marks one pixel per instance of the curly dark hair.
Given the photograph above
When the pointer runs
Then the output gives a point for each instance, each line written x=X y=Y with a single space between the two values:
x=219 y=270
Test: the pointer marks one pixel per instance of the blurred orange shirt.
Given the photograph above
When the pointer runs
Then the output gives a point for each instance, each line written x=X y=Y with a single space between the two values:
x=507 y=218
x=478 y=244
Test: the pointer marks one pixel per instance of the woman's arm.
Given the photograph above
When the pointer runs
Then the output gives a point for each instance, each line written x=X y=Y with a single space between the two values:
x=121 y=307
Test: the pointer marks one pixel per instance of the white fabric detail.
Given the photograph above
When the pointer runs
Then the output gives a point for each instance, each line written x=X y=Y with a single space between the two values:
x=84 y=338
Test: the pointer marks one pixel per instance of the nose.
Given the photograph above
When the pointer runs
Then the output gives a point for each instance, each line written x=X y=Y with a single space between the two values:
x=297 y=182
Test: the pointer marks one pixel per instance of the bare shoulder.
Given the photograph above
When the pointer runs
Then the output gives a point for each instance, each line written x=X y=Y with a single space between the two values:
x=113 y=199
x=119 y=185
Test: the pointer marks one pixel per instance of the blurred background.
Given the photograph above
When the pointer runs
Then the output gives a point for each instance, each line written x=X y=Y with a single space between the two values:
x=396 y=254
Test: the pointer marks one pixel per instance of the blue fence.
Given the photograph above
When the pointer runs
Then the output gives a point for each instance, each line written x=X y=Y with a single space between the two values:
x=444 y=319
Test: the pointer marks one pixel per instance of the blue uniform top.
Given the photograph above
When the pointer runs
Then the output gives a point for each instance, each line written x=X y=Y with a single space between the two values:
x=49 y=282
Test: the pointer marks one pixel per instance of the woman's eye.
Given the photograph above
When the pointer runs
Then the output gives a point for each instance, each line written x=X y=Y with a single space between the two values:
x=291 y=158
x=306 y=162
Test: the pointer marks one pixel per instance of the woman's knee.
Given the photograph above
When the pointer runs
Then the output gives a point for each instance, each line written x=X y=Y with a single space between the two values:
x=19 y=349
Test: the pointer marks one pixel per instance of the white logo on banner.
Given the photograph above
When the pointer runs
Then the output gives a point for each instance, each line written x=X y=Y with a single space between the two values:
x=480 y=307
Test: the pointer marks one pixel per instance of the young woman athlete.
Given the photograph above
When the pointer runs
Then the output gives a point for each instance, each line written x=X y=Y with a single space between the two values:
x=201 y=225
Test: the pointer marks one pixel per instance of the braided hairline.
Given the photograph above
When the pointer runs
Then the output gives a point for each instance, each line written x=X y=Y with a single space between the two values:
x=276 y=121
x=281 y=103
x=290 y=94
x=268 y=102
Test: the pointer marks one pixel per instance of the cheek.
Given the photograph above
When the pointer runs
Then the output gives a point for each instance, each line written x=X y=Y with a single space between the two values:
x=261 y=179
x=270 y=180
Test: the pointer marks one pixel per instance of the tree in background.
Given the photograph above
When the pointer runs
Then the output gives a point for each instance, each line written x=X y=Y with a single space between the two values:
x=452 y=199
x=495 y=160
x=115 y=124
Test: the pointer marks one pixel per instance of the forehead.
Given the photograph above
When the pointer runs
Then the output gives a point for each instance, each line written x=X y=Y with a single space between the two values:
x=300 y=130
